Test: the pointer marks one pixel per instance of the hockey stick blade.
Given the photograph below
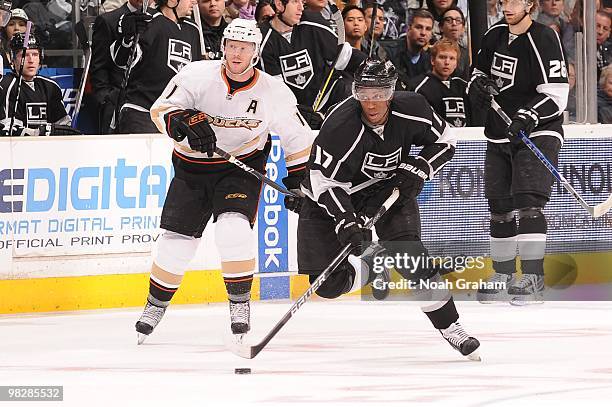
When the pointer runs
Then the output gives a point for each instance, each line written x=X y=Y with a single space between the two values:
x=595 y=211
x=254 y=172
x=250 y=351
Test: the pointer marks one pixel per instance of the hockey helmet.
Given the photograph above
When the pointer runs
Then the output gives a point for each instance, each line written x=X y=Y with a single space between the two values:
x=374 y=80
x=20 y=14
x=244 y=30
x=17 y=43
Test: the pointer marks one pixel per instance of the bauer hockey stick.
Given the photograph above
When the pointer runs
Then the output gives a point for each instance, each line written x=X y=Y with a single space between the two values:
x=595 y=211
x=249 y=352
x=24 y=50
x=254 y=173
x=337 y=17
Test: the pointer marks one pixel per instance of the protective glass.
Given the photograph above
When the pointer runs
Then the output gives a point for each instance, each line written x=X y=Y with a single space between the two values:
x=367 y=94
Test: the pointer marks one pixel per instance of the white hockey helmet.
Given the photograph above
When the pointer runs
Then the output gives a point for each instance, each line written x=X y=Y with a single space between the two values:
x=244 y=30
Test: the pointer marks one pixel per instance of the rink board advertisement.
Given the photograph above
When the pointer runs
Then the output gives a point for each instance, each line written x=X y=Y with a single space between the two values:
x=90 y=198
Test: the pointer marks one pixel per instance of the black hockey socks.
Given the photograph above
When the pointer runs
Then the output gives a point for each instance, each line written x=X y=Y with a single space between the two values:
x=503 y=242
x=160 y=293
x=444 y=316
x=238 y=287
x=532 y=240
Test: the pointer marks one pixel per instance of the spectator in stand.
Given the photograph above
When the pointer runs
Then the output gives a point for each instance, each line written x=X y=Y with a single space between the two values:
x=453 y=29
x=379 y=28
x=105 y=76
x=604 y=48
x=604 y=96
x=395 y=12
x=409 y=55
x=354 y=25
x=552 y=12
x=437 y=9
x=17 y=23
x=494 y=12
x=213 y=24
x=239 y=9
x=264 y=11
x=325 y=8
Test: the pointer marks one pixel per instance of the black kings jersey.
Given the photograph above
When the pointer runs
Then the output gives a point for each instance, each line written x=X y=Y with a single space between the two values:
x=530 y=71
x=448 y=98
x=348 y=157
x=163 y=49
x=303 y=61
x=40 y=101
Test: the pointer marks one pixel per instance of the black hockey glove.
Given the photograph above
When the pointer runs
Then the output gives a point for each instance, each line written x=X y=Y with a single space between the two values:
x=292 y=182
x=410 y=176
x=350 y=230
x=193 y=125
x=58 y=130
x=525 y=120
x=313 y=119
x=481 y=91
x=133 y=23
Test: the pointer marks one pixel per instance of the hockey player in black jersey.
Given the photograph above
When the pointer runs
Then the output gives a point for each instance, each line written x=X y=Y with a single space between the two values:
x=299 y=47
x=361 y=153
x=445 y=92
x=168 y=41
x=523 y=61
x=40 y=109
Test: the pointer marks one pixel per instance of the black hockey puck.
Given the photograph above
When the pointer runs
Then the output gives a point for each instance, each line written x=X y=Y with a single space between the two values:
x=244 y=370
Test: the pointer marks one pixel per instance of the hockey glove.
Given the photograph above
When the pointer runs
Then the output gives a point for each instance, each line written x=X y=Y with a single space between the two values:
x=133 y=23
x=410 y=176
x=350 y=230
x=524 y=119
x=312 y=118
x=481 y=91
x=292 y=182
x=193 y=125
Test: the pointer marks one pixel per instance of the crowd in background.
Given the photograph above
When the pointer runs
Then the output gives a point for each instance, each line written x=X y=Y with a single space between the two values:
x=405 y=33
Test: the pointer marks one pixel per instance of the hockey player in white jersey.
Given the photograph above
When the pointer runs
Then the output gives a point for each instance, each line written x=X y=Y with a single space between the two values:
x=232 y=105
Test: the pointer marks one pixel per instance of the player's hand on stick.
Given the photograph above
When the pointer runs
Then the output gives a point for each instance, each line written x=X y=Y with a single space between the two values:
x=193 y=125
x=350 y=230
x=481 y=90
x=524 y=119
x=133 y=23
x=410 y=176
x=312 y=118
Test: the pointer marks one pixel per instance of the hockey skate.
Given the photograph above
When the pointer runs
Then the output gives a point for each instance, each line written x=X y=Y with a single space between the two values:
x=380 y=281
x=148 y=321
x=240 y=315
x=461 y=341
x=529 y=289
x=491 y=295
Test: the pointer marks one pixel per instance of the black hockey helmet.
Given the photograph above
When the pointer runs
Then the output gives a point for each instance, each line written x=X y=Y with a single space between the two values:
x=375 y=74
x=17 y=42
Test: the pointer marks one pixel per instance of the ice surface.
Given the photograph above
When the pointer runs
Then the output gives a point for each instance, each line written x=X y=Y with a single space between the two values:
x=332 y=352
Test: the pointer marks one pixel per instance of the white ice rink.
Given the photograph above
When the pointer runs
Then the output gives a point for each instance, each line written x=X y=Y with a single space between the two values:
x=331 y=353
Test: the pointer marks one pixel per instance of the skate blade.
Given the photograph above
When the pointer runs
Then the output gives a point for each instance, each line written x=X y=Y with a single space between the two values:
x=475 y=356
x=141 y=338
x=521 y=301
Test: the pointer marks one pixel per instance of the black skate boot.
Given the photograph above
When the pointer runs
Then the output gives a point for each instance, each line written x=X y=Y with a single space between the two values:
x=491 y=295
x=151 y=316
x=380 y=280
x=240 y=315
x=461 y=341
